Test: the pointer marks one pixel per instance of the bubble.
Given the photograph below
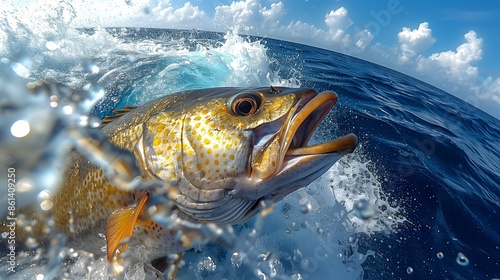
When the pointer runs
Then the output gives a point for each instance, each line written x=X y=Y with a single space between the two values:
x=306 y=208
x=409 y=270
x=206 y=266
x=364 y=210
x=236 y=260
x=440 y=255
x=305 y=205
x=462 y=259
x=20 y=129
x=40 y=277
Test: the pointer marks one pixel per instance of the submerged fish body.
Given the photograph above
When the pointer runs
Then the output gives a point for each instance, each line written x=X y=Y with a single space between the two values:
x=220 y=150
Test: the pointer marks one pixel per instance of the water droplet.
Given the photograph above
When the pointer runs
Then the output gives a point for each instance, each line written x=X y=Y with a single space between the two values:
x=236 y=260
x=94 y=69
x=462 y=259
x=297 y=255
x=306 y=208
x=21 y=70
x=46 y=205
x=305 y=205
x=364 y=210
x=20 y=129
x=440 y=255
x=51 y=45
x=206 y=266
x=40 y=277
x=409 y=270
x=351 y=239
x=305 y=263
x=68 y=110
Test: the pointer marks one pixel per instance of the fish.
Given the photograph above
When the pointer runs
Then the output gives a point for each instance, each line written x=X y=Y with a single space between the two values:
x=220 y=152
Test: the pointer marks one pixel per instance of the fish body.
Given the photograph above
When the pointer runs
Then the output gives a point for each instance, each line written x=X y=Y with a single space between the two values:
x=219 y=151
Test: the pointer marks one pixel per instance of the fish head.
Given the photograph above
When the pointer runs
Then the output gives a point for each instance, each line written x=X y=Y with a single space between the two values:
x=226 y=150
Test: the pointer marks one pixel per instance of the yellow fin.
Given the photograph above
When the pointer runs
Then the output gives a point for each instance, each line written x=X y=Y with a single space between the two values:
x=120 y=225
x=117 y=114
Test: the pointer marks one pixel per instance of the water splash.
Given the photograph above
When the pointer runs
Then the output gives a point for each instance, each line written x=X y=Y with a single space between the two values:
x=92 y=63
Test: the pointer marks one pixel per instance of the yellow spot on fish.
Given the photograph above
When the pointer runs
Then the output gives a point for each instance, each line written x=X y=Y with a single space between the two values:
x=160 y=127
x=156 y=141
x=209 y=151
x=206 y=141
x=231 y=157
x=216 y=162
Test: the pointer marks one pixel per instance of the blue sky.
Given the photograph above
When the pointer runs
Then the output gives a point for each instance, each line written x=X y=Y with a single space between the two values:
x=450 y=44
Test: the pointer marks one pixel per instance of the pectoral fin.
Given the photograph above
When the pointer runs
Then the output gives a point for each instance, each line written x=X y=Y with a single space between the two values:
x=120 y=226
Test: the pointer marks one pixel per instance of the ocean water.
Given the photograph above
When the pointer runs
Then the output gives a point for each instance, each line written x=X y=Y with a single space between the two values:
x=419 y=198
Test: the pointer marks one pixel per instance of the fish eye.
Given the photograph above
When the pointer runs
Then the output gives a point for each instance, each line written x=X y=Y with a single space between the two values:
x=245 y=105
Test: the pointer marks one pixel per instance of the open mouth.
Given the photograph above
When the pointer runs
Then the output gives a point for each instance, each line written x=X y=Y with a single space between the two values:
x=279 y=145
x=304 y=122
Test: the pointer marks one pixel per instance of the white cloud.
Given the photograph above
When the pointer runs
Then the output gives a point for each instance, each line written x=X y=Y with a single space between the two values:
x=249 y=13
x=458 y=63
x=338 y=33
x=456 y=66
x=453 y=71
x=414 y=42
x=338 y=22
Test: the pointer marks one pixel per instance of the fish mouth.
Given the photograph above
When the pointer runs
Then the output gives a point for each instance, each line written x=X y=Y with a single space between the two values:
x=296 y=130
x=303 y=125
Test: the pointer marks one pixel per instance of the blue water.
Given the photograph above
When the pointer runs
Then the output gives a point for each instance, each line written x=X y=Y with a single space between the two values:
x=428 y=159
